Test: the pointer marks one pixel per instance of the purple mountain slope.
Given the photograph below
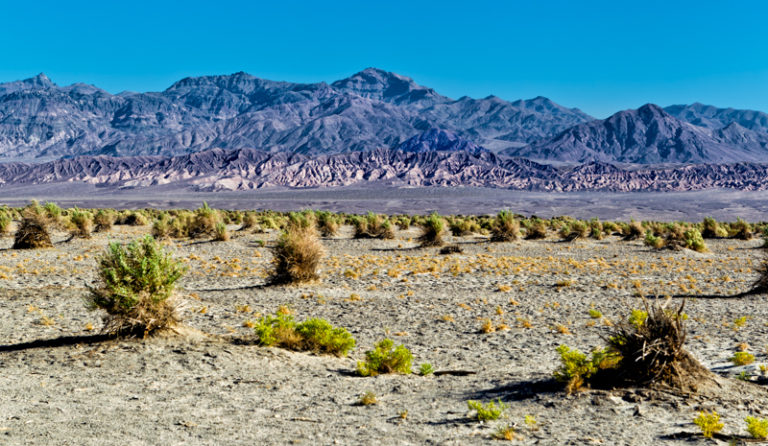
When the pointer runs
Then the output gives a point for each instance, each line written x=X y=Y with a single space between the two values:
x=647 y=135
x=220 y=170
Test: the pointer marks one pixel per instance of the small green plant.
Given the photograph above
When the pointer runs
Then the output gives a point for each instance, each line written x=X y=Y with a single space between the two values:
x=490 y=411
x=595 y=314
x=709 y=423
x=386 y=358
x=742 y=358
x=426 y=369
x=316 y=335
x=739 y=322
x=576 y=367
x=368 y=399
x=638 y=318
x=220 y=232
x=653 y=241
x=531 y=422
x=137 y=284
x=757 y=427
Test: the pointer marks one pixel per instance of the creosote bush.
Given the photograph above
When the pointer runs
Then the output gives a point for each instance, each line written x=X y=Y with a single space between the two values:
x=432 y=229
x=80 y=223
x=327 y=223
x=136 y=287
x=315 y=335
x=103 y=220
x=373 y=226
x=205 y=222
x=385 y=358
x=298 y=251
x=33 y=229
x=505 y=227
x=536 y=229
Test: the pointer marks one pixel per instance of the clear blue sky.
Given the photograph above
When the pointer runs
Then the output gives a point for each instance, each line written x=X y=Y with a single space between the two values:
x=600 y=56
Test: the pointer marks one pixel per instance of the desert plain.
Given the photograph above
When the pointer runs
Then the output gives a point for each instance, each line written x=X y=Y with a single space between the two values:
x=488 y=319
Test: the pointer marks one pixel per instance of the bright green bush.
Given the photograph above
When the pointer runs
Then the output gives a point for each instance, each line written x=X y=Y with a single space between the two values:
x=137 y=284
x=757 y=427
x=316 y=335
x=709 y=423
x=385 y=358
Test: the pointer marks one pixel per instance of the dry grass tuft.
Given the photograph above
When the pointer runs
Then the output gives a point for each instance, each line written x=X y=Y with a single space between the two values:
x=33 y=229
x=298 y=252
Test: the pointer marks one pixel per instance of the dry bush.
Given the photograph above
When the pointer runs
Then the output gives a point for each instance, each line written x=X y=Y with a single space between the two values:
x=204 y=222
x=432 y=229
x=373 y=226
x=136 y=288
x=80 y=223
x=220 y=232
x=741 y=230
x=451 y=249
x=575 y=230
x=505 y=227
x=710 y=228
x=103 y=220
x=651 y=351
x=33 y=229
x=250 y=221
x=460 y=227
x=298 y=252
x=5 y=220
x=634 y=231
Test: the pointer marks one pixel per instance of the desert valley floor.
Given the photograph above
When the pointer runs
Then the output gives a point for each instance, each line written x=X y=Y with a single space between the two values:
x=208 y=384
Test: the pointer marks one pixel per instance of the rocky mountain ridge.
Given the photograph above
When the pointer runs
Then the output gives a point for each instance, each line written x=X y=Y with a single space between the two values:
x=246 y=169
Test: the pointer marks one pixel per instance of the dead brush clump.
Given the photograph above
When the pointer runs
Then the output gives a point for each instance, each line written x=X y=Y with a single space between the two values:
x=32 y=232
x=432 y=230
x=505 y=227
x=373 y=226
x=298 y=252
x=652 y=351
x=136 y=288
x=645 y=351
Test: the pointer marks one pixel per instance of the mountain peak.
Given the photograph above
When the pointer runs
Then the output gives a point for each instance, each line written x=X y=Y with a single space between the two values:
x=375 y=83
x=438 y=140
x=41 y=81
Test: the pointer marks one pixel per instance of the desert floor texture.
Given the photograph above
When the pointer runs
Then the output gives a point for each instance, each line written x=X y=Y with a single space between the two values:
x=209 y=384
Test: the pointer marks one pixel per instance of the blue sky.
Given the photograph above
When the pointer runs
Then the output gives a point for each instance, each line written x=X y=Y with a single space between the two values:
x=599 y=56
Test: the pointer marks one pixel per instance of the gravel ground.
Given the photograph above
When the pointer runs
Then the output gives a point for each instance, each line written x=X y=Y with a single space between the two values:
x=63 y=385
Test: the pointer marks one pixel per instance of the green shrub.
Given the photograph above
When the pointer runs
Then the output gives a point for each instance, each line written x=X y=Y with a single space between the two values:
x=505 y=227
x=490 y=411
x=633 y=231
x=710 y=228
x=757 y=427
x=204 y=222
x=709 y=423
x=577 y=368
x=136 y=289
x=372 y=226
x=432 y=231
x=80 y=222
x=385 y=358
x=741 y=230
x=220 y=232
x=742 y=358
x=5 y=221
x=426 y=369
x=694 y=241
x=536 y=229
x=250 y=221
x=316 y=335
x=327 y=223
x=653 y=241
x=638 y=317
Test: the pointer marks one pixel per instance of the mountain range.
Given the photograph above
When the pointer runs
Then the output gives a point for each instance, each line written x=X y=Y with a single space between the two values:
x=334 y=134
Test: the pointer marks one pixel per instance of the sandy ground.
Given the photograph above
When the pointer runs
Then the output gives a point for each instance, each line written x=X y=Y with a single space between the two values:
x=62 y=385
